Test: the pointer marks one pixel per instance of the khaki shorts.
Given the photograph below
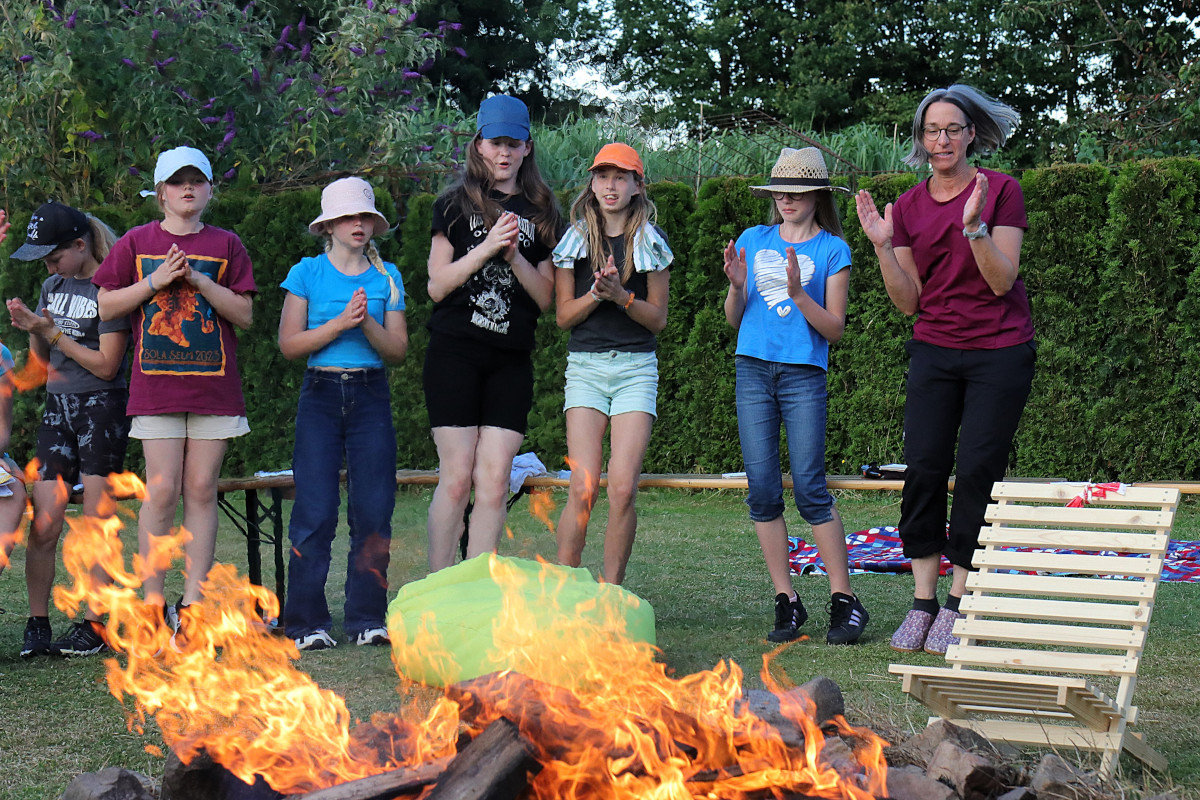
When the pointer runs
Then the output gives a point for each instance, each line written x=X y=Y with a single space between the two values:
x=188 y=426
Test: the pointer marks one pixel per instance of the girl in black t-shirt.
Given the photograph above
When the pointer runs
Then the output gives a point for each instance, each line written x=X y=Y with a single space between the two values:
x=611 y=287
x=490 y=276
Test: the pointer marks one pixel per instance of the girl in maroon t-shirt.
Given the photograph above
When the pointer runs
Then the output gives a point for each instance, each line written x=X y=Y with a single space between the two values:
x=949 y=250
x=185 y=285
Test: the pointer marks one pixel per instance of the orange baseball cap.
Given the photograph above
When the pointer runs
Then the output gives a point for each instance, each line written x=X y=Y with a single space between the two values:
x=621 y=156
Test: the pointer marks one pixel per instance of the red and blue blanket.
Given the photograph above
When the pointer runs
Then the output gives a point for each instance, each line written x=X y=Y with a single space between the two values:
x=879 y=550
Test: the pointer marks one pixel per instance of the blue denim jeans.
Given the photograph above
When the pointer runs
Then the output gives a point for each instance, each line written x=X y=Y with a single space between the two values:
x=342 y=417
x=770 y=394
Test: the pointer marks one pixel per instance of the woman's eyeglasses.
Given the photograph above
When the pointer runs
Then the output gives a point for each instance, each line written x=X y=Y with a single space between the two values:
x=933 y=133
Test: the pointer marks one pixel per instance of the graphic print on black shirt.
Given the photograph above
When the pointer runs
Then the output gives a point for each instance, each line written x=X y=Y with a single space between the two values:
x=491 y=289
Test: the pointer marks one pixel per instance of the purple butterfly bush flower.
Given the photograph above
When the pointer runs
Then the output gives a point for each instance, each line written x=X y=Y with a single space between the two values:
x=25 y=59
x=70 y=22
x=209 y=120
x=91 y=136
x=425 y=65
x=460 y=52
x=302 y=25
x=408 y=73
x=380 y=51
x=370 y=5
x=154 y=35
x=283 y=87
x=336 y=111
x=129 y=63
x=411 y=18
x=230 y=174
x=287 y=31
x=393 y=11
x=335 y=90
x=425 y=148
x=427 y=35
x=305 y=52
x=358 y=51
x=134 y=171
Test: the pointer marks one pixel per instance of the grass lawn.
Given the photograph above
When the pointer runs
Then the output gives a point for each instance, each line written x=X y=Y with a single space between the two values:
x=696 y=561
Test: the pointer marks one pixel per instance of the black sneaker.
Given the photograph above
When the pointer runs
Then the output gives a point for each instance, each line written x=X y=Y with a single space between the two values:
x=847 y=619
x=789 y=616
x=37 y=637
x=82 y=640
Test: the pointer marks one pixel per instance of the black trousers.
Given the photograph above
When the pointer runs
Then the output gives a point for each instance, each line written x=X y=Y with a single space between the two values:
x=974 y=397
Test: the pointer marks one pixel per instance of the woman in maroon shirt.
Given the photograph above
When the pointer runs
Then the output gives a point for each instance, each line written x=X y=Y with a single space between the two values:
x=949 y=250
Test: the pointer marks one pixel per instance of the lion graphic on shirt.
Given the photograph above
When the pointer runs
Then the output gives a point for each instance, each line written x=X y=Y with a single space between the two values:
x=176 y=307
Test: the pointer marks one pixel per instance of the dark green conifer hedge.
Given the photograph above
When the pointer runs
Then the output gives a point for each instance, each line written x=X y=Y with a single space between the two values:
x=1111 y=263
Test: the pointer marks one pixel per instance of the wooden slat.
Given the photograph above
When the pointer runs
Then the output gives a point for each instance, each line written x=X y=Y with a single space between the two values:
x=1153 y=543
x=1088 y=517
x=1068 y=563
x=984 y=678
x=1045 y=660
x=1137 y=494
x=1033 y=733
x=1062 y=610
x=991 y=630
x=1058 y=586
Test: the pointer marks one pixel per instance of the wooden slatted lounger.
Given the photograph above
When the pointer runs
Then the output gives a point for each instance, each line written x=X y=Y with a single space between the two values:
x=1051 y=658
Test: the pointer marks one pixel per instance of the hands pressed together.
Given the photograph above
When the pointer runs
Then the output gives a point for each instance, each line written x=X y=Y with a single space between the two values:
x=607 y=284
x=355 y=312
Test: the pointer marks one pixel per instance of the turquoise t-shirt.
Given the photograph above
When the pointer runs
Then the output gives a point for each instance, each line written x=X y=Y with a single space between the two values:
x=772 y=328
x=327 y=291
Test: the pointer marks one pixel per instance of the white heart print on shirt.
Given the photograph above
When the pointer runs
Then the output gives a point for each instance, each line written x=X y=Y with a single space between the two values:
x=770 y=277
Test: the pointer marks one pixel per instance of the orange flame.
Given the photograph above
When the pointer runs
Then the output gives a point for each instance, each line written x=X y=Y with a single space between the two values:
x=609 y=721
x=541 y=506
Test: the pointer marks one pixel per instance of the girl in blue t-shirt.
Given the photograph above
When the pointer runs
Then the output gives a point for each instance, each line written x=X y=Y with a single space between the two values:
x=788 y=284
x=344 y=310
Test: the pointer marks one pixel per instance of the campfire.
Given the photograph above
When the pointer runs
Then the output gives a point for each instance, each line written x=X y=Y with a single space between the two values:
x=611 y=724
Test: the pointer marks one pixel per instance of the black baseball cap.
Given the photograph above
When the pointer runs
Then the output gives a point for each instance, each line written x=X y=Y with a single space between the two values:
x=51 y=226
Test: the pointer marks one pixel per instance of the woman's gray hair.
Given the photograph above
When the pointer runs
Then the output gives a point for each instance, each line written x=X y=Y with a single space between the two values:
x=994 y=121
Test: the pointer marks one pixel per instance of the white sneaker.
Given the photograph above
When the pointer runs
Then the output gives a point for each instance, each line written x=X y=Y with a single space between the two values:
x=373 y=636
x=317 y=640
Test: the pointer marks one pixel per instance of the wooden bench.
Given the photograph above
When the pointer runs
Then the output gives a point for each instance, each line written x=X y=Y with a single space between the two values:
x=259 y=515
x=1051 y=658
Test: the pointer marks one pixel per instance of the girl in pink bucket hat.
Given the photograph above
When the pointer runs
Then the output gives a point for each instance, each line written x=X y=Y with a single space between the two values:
x=611 y=286
x=344 y=312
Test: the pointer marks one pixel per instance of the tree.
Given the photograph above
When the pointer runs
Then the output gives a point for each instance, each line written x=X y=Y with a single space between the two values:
x=92 y=95
x=526 y=48
x=826 y=64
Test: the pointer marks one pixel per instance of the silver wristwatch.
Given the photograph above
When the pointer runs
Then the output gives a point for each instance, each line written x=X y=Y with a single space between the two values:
x=979 y=234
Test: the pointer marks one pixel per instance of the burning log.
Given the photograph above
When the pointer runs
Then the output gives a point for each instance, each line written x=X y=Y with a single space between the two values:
x=384 y=786
x=496 y=765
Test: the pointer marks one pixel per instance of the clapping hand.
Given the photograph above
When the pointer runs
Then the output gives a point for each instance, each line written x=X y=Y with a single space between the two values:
x=735 y=266
x=607 y=283
x=973 y=210
x=878 y=229
x=355 y=312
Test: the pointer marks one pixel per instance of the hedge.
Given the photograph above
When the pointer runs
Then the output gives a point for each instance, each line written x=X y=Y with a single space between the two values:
x=1111 y=262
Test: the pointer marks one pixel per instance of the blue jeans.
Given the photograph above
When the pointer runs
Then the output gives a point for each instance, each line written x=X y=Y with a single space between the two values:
x=770 y=393
x=342 y=416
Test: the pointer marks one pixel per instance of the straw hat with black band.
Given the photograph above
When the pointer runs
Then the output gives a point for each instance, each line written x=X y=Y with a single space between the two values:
x=798 y=171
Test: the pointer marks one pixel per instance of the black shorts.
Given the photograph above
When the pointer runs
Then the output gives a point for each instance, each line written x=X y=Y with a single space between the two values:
x=469 y=384
x=83 y=433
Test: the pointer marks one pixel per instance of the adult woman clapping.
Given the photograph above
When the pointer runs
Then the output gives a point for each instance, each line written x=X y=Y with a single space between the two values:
x=949 y=250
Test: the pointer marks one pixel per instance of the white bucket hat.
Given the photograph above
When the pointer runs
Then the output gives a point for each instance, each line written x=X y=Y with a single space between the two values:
x=348 y=197
x=798 y=171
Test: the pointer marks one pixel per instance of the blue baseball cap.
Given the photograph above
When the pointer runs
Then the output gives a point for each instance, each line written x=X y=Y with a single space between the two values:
x=502 y=116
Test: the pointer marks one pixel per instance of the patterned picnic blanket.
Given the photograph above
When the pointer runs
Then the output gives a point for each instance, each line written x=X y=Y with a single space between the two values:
x=879 y=550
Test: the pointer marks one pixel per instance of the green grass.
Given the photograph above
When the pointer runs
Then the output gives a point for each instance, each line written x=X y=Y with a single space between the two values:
x=696 y=561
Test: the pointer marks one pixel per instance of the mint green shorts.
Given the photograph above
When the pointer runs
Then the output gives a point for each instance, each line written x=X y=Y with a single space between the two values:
x=613 y=382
